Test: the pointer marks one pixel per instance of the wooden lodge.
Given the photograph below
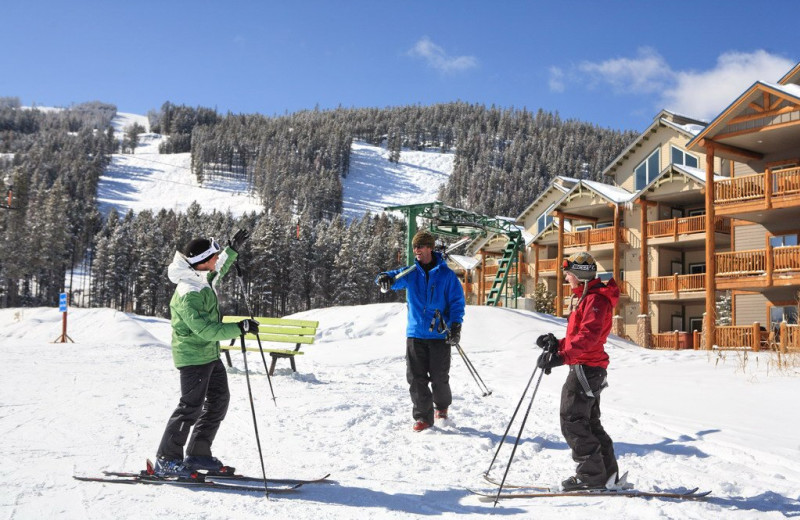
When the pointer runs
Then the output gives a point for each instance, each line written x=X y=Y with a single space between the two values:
x=689 y=211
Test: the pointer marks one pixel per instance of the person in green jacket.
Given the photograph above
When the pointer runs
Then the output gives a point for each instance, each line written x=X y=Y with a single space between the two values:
x=196 y=332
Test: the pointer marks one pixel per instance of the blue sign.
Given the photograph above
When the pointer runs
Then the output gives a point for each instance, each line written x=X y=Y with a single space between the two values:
x=62 y=302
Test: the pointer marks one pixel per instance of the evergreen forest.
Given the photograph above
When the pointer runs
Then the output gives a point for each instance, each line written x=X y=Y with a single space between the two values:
x=302 y=253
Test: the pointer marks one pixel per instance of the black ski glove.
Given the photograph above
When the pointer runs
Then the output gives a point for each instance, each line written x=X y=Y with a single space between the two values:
x=238 y=239
x=548 y=360
x=248 y=326
x=548 y=342
x=385 y=281
x=454 y=336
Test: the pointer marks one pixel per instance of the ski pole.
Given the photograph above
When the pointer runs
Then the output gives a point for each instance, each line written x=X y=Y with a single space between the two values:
x=519 y=436
x=401 y=274
x=258 y=338
x=437 y=316
x=471 y=368
x=253 y=410
x=511 y=421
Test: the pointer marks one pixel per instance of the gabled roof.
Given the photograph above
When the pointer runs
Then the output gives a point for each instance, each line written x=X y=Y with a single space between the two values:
x=672 y=169
x=743 y=136
x=568 y=183
x=683 y=124
x=793 y=76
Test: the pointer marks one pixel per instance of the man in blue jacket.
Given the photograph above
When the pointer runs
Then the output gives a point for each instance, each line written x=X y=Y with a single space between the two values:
x=430 y=286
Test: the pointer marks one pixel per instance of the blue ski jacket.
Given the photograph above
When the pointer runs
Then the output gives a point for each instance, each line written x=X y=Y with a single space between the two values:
x=439 y=290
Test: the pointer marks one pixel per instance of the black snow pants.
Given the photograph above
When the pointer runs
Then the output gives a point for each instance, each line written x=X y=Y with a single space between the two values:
x=428 y=362
x=591 y=446
x=203 y=404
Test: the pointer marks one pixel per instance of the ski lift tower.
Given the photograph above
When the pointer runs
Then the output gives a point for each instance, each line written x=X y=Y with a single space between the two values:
x=457 y=223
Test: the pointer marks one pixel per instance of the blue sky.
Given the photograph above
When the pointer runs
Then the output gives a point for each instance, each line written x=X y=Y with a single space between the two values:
x=612 y=63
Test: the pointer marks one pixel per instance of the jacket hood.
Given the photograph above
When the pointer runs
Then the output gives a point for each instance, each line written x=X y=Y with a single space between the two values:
x=609 y=289
x=180 y=270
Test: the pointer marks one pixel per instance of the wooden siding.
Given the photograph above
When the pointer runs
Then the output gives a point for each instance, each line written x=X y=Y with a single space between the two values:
x=749 y=309
x=749 y=237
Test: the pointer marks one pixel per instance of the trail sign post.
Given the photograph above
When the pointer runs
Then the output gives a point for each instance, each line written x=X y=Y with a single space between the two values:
x=62 y=308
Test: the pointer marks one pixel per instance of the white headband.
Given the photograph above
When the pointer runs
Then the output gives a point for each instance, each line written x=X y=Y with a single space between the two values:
x=208 y=253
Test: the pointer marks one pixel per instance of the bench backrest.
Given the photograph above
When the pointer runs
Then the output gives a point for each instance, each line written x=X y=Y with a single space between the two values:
x=281 y=330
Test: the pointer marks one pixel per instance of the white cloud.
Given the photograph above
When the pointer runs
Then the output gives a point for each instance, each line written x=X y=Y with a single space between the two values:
x=556 y=81
x=644 y=74
x=704 y=94
x=438 y=58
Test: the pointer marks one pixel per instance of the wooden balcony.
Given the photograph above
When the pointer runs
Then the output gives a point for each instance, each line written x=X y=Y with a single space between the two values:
x=548 y=266
x=676 y=227
x=676 y=285
x=593 y=237
x=768 y=190
x=750 y=337
x=758 y=267
x=675 y=340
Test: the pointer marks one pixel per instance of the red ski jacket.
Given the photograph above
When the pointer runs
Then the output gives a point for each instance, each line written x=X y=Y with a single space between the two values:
x=589 y=324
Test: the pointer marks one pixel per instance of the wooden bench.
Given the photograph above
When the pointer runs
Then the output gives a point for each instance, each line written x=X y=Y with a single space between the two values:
x=274 y=330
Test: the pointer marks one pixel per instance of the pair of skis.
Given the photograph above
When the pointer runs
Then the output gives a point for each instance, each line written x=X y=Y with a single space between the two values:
x=619 y=489
x=232 y=482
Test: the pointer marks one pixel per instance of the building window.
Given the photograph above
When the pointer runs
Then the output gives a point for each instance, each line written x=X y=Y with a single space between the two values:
x=545 y=219
x=777 y=314
x=696 y=212
x=695 y=324
x=648 y=169
x=783 y=240
x=697 y=268
x=682 y=158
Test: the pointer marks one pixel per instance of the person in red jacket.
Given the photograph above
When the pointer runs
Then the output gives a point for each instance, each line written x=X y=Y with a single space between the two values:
x=588 y=326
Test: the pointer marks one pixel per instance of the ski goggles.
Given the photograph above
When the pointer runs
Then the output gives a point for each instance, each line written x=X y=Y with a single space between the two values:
x=571 y=266
x=212 y=250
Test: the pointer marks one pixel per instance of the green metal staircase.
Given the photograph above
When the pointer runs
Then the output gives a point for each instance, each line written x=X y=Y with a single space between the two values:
x=504 y=267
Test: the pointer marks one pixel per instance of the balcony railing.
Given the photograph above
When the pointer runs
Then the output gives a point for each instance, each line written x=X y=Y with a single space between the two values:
x=759 y=261
x=548 y=265
x=675 y=340
x=676 y=283
x=590 y=237
x=684 y=226
x=754 y=187
x=785 y=338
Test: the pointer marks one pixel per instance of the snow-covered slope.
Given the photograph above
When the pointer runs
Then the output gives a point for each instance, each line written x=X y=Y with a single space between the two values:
x=679 y=419
x=374 y=183
x=148 y=180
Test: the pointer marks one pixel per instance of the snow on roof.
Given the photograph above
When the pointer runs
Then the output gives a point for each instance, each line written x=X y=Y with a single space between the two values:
x=612 y=193
x=696 y=173
x=688 y=128
x=791 y=89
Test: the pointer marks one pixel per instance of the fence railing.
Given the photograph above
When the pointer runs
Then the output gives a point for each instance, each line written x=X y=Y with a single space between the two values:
x=675 y=340
x=752 y=187
x=590 y=237
x=685 y=226
x=676 y=283
x=759 y=261
x=739 y=263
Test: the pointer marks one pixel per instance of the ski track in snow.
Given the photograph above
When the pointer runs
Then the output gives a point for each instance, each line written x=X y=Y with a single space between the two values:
x=678 y=419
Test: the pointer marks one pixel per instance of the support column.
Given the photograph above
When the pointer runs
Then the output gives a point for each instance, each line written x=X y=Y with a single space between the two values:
x=711 y=250
x=535 y=266
x=644 y=331
x=560 y=258
x=615 y=262
x=643 y=264
x=482 y=279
